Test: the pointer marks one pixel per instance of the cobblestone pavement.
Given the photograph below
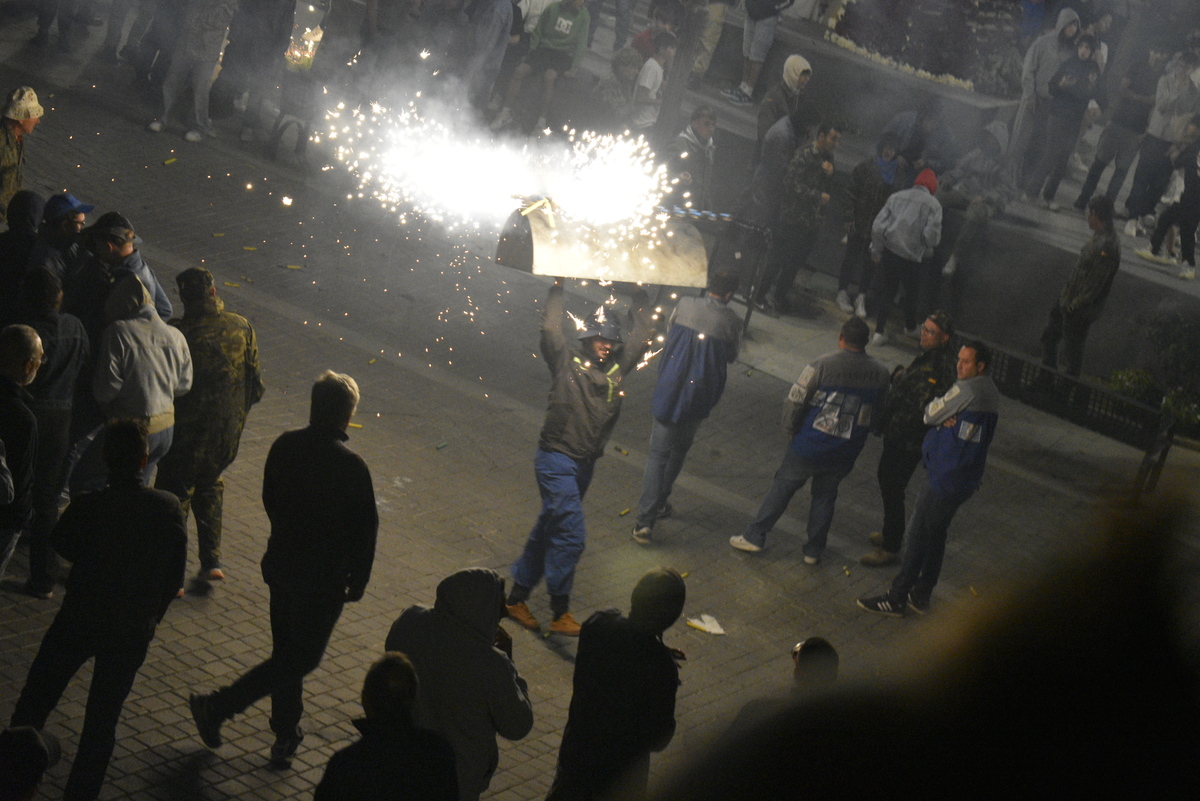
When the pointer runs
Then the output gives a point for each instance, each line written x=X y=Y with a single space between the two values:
x=443 y=346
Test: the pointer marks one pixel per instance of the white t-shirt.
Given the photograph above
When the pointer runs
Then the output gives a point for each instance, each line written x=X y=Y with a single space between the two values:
x=651 y=77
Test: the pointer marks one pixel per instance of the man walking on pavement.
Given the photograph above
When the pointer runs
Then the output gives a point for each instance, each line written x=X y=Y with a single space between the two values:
x=321 y=502
x=20 y=358
x=209 y=419
x=955 y=454
x=128 y=549
x=703 y=338
x=585 y=401
x=1082 y=298
x=827 y=414
x=901 y=422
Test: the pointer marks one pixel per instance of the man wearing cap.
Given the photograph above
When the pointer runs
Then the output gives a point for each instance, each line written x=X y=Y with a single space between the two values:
x=209 y=419
x=22 y=113
x=59 y=248
x=902 y=424
x=585 y=401
x=112 y=239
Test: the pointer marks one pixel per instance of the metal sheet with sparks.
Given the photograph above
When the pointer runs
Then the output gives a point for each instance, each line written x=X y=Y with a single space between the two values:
x=545 y=245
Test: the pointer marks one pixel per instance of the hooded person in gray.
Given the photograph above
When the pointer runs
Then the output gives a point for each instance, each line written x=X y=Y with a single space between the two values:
x=1047 y=53
x=470 y=690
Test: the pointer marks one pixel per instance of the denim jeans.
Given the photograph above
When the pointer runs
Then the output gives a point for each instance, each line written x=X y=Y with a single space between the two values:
x=792 y=474
x=67 y=645
x=925 y=545
x=300 y=630
x=1070 y=328
x=669 y=444
x=89 y=473
x=558 y=537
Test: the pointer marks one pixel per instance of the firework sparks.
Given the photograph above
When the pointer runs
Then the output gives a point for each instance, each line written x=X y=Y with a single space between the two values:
x=409 y=161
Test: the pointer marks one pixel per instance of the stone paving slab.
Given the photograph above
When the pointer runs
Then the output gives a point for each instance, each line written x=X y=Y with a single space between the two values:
x=390 y=306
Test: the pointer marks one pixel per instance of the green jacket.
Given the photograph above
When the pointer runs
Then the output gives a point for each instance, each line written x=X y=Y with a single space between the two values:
x=803 y=185
x=1093 y=275
x=902 y=415
x=560 y=29
x=12 y=161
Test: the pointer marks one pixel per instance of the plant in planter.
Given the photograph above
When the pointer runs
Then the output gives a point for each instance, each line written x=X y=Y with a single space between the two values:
x=1172 y=377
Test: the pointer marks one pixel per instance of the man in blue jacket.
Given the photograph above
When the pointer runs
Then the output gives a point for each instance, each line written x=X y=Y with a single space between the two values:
x=828 y=414
x=703 y=338
x=955 y=453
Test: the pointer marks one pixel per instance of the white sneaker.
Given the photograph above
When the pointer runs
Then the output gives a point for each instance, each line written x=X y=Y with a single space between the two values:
x=879 y=338
x=503 y=119
x=1188 y=273
x=155 y=125
x=641 y=535
x=194 y=136
x=743 y=544
x=843 y=301
x=1131 y=227
x=860 y=306
x=950 y=266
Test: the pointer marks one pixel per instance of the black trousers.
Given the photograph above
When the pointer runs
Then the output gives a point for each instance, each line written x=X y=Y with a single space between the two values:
x=896 y=466
x=49 y=477
x=894 y=272
x=1070 y=328
x=69 y=642
x=300 y=630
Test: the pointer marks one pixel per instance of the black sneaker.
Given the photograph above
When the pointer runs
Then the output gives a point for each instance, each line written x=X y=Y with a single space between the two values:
x=921 y=608
x=207 y=721
x=664 y=511
x=285 y=748
x=880 y=605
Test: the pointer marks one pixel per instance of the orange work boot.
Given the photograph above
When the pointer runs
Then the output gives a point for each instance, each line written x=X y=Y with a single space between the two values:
x=565 y=625
x=521 y=614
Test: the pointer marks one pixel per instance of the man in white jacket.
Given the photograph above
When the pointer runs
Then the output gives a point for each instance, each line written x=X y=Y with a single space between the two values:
x=142 y=365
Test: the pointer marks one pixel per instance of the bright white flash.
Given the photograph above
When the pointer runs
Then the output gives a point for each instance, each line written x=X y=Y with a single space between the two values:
x=463 y=177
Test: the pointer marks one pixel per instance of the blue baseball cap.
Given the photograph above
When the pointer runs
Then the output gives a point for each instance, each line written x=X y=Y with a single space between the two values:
x=60 y=205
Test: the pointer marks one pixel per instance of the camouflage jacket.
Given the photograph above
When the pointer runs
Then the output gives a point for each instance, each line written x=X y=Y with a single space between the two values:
x=929 y=376
x=803 y=186
x=12 y=160
x=1092 y=278
x=226 y=381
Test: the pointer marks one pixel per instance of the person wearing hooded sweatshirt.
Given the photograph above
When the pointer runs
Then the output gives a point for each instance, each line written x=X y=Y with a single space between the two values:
x=142 y=366
x=871 y=183
x=395 y=759
x=788 y=98
x=623 y=699
x=585 y=401
x=905 y=233
x=1047 y=53
x=320 y=500
x=23 y=215
x=210 y=418
x=1071 y=89
x=1184 y=213
x=470 y=690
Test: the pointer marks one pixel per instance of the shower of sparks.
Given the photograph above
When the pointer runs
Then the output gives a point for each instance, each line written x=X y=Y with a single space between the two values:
x=408 y=161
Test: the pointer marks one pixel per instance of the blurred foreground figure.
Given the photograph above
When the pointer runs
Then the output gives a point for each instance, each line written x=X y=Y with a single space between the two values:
x=1081 y=684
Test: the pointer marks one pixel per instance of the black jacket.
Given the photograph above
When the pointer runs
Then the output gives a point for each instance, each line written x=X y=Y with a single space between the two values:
x=321 y=502
x=623 y=704
x=128 y=548
x=18 y=432
x=390 y=763
x=66 y=348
